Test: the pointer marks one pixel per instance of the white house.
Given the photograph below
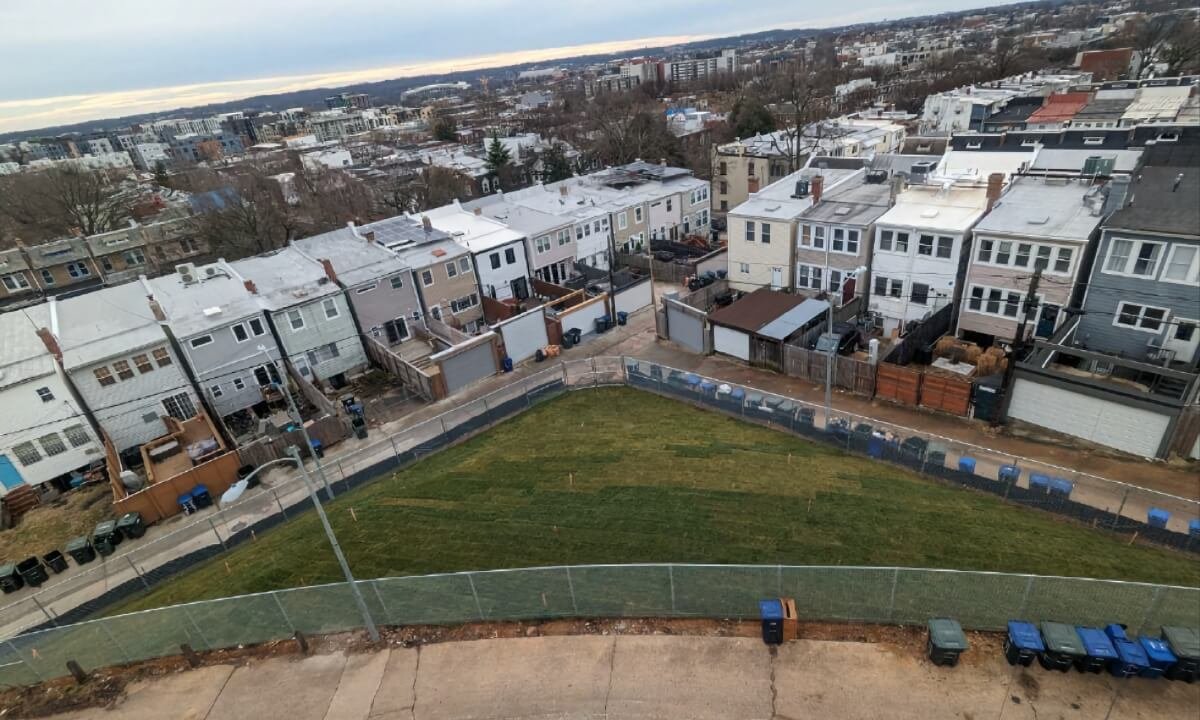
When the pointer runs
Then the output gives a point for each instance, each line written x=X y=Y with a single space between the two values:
x=44 y=434
x=499 y=252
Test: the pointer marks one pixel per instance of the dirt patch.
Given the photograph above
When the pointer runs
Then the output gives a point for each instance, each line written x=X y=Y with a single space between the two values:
x=1030 y=685
x=106 y=686
x=51 y=525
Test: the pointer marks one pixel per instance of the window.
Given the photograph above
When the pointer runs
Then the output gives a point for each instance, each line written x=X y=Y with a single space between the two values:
x=920 y=293
x=52 y=444
x=744 y=268
x=541 y=245
x=510 y=256
x=188 y=246
x=1022 y=258
x=888 y=287
x=818 y=238
x=45 y=394
x=201 y=341
x=239 y=384
x=637 y=214
x=1138 y=258
x=143 y=363
x=104 y=376
x=256 y=327
x=749 y=231
x=215 y=391
x=578 y=234
x=16 y=281
x=161 y=357
x=77 y=436
x=78 y=270
x=267 y=375
x=985 y=251
x=724 y=168
x=1062 y=262
x=587 y=230
x=668 y=204
x=1092 y=140
x=427 y=275
x=622 y=220
x=329 y=305
x=123 y=370
x=239 y=333
x=47 y=277
x=396 y=281
x=106 y=263
x=893 y=241
x=766 y=233
x=925 y=245
x=808 y=276
x=1185 y=331
x=464 y=264
x=835 y=281
x=135 y=257
x=494 y=258
x=1140 y=317
x=27 y=453
x=323 y=353
x=464 y=303
x=1004 y=253
x=1183 y=264
x=945 y=246
x=723 y=188
x=295 y=320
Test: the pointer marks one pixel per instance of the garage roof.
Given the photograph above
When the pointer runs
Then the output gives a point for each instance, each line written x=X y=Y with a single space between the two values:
x=782 y=327
x=765 y=308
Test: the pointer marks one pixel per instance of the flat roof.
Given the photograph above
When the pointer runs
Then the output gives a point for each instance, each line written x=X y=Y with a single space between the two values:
x=208 y=303
x=775 y=201
x=755 y=310
x=285 y=278
x=401 y=230
x=854 y=202
x=474 y=232
x=23 y=356
x=784 y=326
x=355 y=260
x=104 y=323
x=953 y=208
x=1073 y=159
x=1050 y=208
x=981 y=163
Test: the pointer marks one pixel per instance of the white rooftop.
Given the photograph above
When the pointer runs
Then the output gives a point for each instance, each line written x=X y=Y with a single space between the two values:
x=978 y=164
x=474 y=232
x=1052 y=208
x=188 y=307
x=23 y=356
x=355 y=260
x=284 y=278
x=953 y=208
x=776 y=200
x=105 y=323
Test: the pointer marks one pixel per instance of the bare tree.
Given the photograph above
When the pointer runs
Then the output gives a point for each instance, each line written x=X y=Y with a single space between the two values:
x=65 y=200
x=625 y=127
x=801 y=102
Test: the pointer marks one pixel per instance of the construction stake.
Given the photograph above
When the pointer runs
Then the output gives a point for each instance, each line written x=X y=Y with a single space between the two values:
x=190 y=655
x=80 y=676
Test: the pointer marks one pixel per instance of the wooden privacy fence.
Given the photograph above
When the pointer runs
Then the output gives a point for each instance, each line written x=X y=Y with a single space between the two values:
x=329 y=431
x=311 y=392
x=161 y=500
x=663 y=271
x=898 y=384
x=857 y=376
x=935 y=391
x=408 y=374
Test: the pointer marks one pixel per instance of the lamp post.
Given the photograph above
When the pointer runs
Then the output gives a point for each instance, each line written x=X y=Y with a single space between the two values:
x=294 y=413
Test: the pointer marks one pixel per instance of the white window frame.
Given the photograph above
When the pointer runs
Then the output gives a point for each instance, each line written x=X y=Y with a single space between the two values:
x=396 y=281
x=366 y=289
x=451 y=269
x=427 y=273
x=215 y=391
x=1193 y=272
x=893 y=288
x=622 y=220
x=464 y=266
x=239 y=384
x=1003 y=300
x=744 y=268
x=331 y=304
x=750 y=229
x=1132 y=259
x=15 y=282
x=637 y=214
x=294 y=315
x=809 y=277
x=1141 y=316
x=257 y=327
x=200 y=341
x=764 y=232
x=45 y=394
x=541 y=244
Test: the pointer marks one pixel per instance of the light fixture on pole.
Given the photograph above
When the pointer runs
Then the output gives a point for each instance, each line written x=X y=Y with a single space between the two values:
x=294 y=413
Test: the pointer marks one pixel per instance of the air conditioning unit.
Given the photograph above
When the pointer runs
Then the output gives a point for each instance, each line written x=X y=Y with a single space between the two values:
x=186 y=272
x=211 y=271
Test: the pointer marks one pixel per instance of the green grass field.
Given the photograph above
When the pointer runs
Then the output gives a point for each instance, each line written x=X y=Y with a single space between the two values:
x=622 y=476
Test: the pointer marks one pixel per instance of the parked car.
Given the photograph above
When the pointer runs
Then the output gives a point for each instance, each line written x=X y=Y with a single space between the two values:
x=843 y=340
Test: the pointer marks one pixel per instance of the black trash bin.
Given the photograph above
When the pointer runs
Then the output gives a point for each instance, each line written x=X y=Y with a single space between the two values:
x=622 y=317
x=131 y=525
x=246 y=471
x=81 y=551
x=56 y=561
x=1063 y=647
x=106 y=537
x=32 y=571
x=1185 y=643
x=946 y=641
x=358 y=423
x=201 y=497
x=771 y=612
x=10 y=579
x=576 y=336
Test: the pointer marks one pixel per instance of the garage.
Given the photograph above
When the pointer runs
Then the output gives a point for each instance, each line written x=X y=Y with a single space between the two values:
x=729 y=341
x=757 y=326
x=1117 y=425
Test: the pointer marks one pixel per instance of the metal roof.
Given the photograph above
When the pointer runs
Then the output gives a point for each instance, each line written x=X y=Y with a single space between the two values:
x=782 y=327
x=354 y=260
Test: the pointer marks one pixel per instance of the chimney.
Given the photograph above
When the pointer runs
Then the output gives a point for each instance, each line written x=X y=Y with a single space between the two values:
x=369 y=236
x=818 y=184
x=995 y=186
x=478 y=211
x=250 y=287
x=562 y=190
x=329 y=273
x=156 y=309
x=50 y=342
x=427 y=224
x=350 y=226
x=898 y=185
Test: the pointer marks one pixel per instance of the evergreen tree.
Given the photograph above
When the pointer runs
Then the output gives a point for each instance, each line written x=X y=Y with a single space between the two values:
x=161 y=178
x=555 y=165
x=497 y=156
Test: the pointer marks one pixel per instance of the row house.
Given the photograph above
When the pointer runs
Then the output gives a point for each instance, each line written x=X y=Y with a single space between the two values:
x=63 y=266
x=551 y=247
x=17 y=282
x=497 y=252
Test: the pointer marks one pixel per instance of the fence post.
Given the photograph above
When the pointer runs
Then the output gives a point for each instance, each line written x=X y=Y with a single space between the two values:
x=395 y=452
x=671 y=576
x=571 y=587
x=564 y=374
x=525 y=391
x=595 y=375
x=442 y=422
x=779 y=580
x=286 y=619
x=1150 y=610
x=196 y=627
x=137 y=572
x=212 y=525
x=892 y=596
x=279 y=503
x=51 y=618
x=25 y=662
x=1025 y=597
x=382 y=605
x=474 y=594
x=1117 y=516
x=113 y=640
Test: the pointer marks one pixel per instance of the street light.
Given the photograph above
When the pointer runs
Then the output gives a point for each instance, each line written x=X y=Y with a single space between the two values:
x=294 y=413
x=293 y=456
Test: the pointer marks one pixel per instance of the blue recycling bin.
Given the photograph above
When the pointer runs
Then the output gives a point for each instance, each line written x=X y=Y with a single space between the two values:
x=507 y=364
x=692 y=381
x=1194 y=528
x=771 y=612
x=622 y=317
x=737 y=396
x=1023 y=643
x=708 y=389
x=1061 y=488
x=1039 y=483
x=1098 y=649
x=1157 y=517
x=1131 y=657
x=1159 y=658
x=875 y=445
x=966 y=464
x=1009 y=474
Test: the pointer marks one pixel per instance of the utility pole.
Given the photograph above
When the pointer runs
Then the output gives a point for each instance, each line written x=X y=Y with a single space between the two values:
x=1018 y=345
x=294 y=413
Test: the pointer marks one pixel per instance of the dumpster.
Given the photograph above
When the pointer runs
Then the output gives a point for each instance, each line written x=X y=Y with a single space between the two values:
x=771 y=612
x=10 y=579
x=946 y=641
x=1009 y=474
x=966 y=464
x=131 y=525
x=32 y=571
x=622 y=317
x=56 y=561
x=81 y=551
x=1023 y=644
x=1039 y=483
x=106 y=537
x=1157 y=517
x=1063 y=646
x=1098 y=648
x=1159 y=656
x=1061 y=488
x=1185 y=644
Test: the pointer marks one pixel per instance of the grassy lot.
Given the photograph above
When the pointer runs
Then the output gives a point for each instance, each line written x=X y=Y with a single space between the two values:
x=619 y=476
x=53 y=525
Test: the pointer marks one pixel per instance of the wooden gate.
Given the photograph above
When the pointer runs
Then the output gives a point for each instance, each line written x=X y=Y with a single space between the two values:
x=948 y=394
x=766 y=353
x=898 y=384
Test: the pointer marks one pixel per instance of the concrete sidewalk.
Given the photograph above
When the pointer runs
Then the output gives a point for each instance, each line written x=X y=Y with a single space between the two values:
x=640 y=678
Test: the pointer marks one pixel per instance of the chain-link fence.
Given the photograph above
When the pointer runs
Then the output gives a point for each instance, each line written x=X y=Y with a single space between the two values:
x=1093 y=500
x=979 y=600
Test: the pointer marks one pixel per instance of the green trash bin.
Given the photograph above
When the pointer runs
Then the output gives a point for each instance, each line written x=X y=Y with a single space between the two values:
x=1063 y=646
x=106 y=537
x=81 y=551
x=946 y=641
x=10 y=579
x=131 y=525
x=1185 y=643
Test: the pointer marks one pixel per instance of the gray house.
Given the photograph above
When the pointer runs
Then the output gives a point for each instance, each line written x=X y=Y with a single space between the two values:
x=219 y=327
x=308 y=311
x=379 y=285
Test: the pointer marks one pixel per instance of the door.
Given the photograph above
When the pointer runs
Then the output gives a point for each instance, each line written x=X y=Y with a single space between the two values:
x=9 y=477
x=1047 y=321
x=396 y=330
x=1183 y=337
x=520 y=288
x=776 y=278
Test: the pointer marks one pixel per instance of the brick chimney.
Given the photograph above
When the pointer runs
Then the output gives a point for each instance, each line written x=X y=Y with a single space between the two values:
x=995 y=186
x=562 y=190
x=50 y=342
x=156 y=309
x=427 y=224
x=898 y=186
x=478 y=211
x=329 y=273
x=816 y=188
x=369 y=236
x=253 y=290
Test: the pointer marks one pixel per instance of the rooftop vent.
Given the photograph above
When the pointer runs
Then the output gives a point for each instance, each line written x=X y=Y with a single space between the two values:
x=877 y=177
x=211 y=311
x=930 y=213
x=843 y=210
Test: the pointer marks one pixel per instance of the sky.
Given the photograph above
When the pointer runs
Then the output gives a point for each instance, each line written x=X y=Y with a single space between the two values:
x=67 y=61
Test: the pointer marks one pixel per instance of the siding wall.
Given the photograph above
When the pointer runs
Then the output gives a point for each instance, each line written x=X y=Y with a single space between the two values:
x=378 y=302
x=319 y=331
x=223 y=360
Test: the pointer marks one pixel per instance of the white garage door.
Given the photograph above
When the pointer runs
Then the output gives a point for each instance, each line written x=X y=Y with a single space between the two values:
x=524 y=335
x=1130 y=429
x=731 y=342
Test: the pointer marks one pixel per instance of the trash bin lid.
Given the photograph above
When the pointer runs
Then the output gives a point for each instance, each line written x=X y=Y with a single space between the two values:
x=105 y=527
x=770 y=609
x=1095 y=643
x=1061 y=485
x=78 y=543
x=1131 y=653
x=1038 y=479
x=692 y=379
x=1184 y=641
x=1115 y=632
x=1158 y=514
x=129 y=518
x=947 y=634
x=1025 y=635
x=8 y=569
x=1062 y=638
x=1157 y=650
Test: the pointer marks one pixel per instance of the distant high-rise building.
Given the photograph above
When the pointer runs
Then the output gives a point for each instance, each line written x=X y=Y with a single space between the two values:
x=358 y=101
